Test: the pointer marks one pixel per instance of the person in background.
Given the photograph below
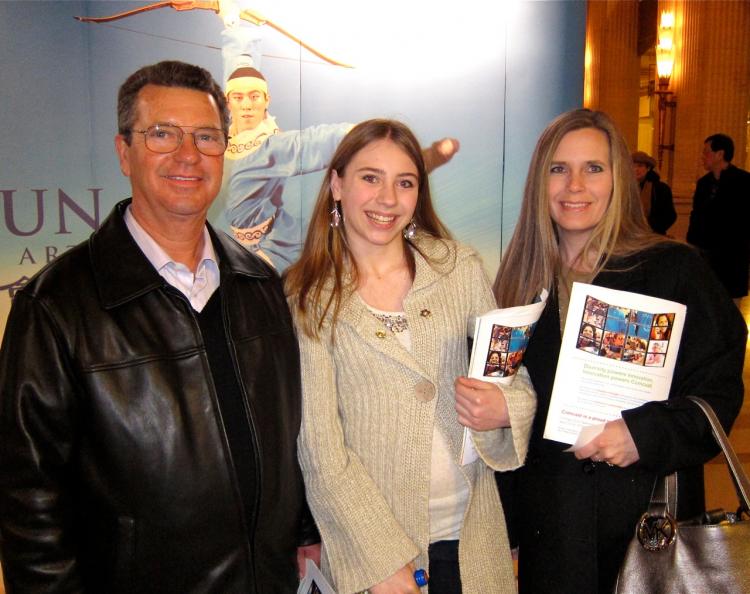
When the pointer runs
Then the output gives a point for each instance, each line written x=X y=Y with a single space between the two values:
x=721 y=211
x=150 y=386
x=384 y=301
x=656 y=196
x=581 y=220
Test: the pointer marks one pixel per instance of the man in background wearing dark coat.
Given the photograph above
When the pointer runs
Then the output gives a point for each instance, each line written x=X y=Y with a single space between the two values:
x=720 y=216
x=656 y=196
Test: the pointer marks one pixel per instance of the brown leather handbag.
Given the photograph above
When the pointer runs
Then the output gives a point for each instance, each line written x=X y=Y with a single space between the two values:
x=708 y=555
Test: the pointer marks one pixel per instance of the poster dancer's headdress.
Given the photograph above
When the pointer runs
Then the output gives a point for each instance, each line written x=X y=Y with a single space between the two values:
x=247 y=77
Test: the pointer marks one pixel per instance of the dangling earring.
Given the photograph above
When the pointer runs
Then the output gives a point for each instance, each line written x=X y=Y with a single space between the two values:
x=335 y=215
x=410 y=231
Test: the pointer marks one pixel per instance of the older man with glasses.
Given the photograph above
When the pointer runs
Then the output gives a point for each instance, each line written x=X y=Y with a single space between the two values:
x=149 y=384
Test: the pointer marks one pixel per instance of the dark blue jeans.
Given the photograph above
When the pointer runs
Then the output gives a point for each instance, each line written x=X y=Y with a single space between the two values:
x=444 y=575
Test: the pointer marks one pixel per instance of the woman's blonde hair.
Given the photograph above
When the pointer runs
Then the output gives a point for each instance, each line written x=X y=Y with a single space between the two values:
x=316 y=282
x=532 y=259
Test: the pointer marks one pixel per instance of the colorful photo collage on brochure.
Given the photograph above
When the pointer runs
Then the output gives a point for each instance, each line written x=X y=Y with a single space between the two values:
x=506 y=349
x=624 y=334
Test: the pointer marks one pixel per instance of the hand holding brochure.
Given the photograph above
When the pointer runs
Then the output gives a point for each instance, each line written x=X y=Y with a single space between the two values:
x=618 y=352
x=500 y=340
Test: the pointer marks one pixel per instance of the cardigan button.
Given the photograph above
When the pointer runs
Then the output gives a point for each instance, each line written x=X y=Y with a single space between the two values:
x=380 y=334
x=588 y=467
x=424 y=391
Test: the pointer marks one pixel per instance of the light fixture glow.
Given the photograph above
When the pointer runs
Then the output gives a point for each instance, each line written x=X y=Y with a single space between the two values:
x=667 y=20
x=665 y=48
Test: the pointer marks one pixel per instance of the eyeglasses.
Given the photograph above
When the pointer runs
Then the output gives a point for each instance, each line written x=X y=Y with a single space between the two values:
x=164 y=138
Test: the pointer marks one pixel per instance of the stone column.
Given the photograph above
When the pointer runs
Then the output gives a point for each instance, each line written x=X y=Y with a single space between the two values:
x=612 y=63
x=711 y=83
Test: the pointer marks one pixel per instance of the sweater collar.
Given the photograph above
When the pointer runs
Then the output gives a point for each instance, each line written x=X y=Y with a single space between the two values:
x=434 y=259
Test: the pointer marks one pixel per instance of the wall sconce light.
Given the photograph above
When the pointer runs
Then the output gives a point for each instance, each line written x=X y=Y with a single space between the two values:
x=665 y=49
x=667 y=101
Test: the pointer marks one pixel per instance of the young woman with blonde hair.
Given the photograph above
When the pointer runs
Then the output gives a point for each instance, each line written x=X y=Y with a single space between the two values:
x=581 y=220
x=383 y=299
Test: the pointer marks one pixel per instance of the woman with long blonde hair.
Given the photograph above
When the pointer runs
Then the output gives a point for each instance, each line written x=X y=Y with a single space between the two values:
x=383 y=300
x=582 y=220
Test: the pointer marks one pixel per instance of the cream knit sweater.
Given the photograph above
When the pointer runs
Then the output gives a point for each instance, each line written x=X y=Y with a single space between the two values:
x=365 y=444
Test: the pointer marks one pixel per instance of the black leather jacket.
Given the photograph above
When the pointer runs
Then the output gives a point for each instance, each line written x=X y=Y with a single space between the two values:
x=115 y=473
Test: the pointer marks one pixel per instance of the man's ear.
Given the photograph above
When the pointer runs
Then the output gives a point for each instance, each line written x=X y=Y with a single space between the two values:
x=123 y=154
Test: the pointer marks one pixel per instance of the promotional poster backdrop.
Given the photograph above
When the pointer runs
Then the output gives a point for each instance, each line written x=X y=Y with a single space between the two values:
x=490 y=75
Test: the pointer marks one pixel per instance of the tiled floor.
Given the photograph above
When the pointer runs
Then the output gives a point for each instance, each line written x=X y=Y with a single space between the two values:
x=719 y=490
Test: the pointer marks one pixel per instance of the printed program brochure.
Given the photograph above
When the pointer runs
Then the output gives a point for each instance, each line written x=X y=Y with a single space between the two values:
x=618 y=352
x=500 y=340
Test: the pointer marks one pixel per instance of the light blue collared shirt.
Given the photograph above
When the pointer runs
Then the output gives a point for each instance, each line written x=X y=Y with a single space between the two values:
x=197 y=287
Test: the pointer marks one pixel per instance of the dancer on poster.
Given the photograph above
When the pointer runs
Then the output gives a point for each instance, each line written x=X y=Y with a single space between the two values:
x=261 y=157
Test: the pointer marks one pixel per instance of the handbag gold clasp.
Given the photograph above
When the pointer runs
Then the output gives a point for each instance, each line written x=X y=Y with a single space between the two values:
x=656 y=533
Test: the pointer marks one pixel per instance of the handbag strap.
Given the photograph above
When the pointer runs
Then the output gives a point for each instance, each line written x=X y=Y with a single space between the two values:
x=739 y=477
x=664 y=496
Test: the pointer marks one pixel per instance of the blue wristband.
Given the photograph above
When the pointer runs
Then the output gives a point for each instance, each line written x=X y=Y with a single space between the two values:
x=420 y=576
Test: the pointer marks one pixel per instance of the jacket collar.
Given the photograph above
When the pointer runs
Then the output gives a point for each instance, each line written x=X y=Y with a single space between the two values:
x=122 y=272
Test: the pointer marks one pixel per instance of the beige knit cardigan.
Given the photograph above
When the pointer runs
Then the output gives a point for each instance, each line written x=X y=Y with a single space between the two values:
x=365 y=444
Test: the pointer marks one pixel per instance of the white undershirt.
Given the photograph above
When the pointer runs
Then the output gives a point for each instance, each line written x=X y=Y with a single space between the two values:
x=449 y=491
x=197 y=287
